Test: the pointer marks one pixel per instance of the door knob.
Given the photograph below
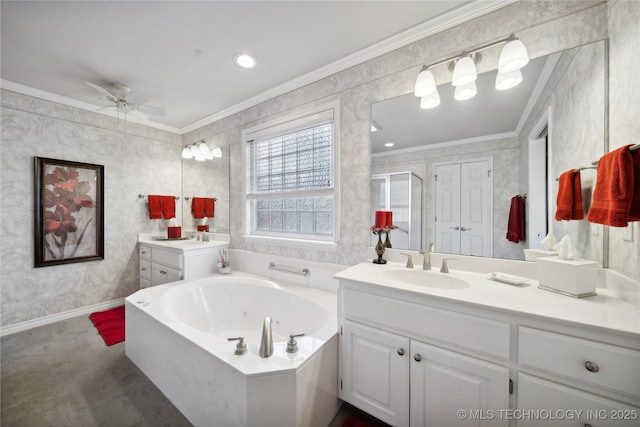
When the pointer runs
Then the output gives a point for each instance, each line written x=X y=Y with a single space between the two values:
x=417 y=357
x=455 y=228
x=465 y=229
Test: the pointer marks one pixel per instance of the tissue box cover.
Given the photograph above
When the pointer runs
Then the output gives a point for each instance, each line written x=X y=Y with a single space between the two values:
x=174 y=232
x=573 y=277
x=203 y=227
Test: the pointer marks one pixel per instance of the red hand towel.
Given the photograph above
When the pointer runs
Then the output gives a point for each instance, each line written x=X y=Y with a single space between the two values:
x=569 y=200
x=169 y=207
x=155 y=207
x=634 y=210
x=516 y=226
x=209 y=207
x=197 y=207
x=614 y=189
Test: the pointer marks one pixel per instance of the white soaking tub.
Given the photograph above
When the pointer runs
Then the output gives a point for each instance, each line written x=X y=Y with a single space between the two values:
x=177 y=335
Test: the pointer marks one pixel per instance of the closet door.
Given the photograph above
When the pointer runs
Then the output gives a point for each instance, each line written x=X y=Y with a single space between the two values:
x=447 y=225
x=476 y=207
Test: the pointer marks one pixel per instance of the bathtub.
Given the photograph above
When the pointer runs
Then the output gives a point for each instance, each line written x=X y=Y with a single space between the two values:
x=177 y=335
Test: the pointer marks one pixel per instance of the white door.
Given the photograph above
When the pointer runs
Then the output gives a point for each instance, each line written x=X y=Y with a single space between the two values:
x=464 y=208
x=444 y=382
x=448 y=208
x=375 y=372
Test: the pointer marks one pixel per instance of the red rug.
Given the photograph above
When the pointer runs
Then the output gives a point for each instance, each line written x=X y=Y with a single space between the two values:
x=110 y=324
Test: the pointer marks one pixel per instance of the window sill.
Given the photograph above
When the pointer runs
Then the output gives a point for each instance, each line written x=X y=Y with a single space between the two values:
x=296 y=243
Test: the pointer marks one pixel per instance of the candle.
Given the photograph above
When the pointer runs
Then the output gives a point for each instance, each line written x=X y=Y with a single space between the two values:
x=381 y=219
x=389 y=218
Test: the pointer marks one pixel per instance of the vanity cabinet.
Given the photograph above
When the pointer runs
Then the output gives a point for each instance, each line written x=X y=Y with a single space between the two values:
x=159 y=266
x=412 y=359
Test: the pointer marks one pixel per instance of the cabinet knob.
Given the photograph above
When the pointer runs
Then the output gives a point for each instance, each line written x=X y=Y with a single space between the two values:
x=587 y=425
x=417 y=357
x=591 y=367
x=143 y=269
x=144 y=252
x=163 y=272
x=401 y=351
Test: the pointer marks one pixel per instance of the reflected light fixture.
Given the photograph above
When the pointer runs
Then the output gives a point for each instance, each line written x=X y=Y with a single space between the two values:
x=513 y=56
x=430 y=101
x=464 y=74
x=200 y=151
x=375 y=127
x=425 y=83
x=464 y=92
x=389 y=144
x=508 y=80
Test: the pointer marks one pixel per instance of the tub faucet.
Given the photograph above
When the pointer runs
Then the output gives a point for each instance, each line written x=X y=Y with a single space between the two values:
x=266 y=343
x=426 y=261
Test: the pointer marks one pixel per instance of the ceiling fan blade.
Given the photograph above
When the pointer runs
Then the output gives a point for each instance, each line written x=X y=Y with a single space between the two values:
x=104 y=92
x=151 y=110
x=137 y=114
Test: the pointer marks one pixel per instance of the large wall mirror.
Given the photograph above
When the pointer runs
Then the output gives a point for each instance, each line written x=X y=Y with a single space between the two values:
x=208 y=178
x=459 y=164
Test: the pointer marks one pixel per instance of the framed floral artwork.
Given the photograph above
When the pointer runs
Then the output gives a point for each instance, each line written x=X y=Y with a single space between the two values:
x=69 y=212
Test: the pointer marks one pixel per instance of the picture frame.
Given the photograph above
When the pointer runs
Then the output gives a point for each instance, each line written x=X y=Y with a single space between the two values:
x=69 y=212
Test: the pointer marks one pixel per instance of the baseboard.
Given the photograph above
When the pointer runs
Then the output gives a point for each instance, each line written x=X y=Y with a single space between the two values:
x=46 y=320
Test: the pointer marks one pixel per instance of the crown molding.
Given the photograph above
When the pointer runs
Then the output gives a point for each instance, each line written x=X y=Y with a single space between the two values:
x=443 y=22
x=59 y=99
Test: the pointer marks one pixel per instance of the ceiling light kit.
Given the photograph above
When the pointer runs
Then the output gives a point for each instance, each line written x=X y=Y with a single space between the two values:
x=464 y=74
x=200 y=151
x=245 y=61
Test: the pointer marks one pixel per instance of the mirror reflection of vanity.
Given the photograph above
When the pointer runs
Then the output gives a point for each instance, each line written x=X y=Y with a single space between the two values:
x=527 y=136
x=209 y=178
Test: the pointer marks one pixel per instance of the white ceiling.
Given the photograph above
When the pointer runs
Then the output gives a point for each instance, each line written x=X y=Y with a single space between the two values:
x=178 y=55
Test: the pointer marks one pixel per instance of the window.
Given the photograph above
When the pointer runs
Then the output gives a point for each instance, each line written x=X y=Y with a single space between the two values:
x=291 y=178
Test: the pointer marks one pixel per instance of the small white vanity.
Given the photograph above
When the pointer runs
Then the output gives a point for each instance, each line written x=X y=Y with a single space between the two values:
x=164 y=261
x=423 y=348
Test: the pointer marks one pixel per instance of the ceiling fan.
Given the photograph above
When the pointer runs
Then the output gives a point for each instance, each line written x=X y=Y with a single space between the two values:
x=117 y=95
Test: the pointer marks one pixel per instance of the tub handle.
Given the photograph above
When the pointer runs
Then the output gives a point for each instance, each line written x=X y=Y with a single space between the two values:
x=241 y=347
x=292 y=344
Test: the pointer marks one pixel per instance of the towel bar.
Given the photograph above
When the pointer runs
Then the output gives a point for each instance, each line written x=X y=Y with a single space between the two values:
x=304 y=272
x=191 y=197
x=142 y=196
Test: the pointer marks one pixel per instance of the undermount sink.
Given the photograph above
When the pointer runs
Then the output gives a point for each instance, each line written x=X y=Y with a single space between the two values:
x=430 y=279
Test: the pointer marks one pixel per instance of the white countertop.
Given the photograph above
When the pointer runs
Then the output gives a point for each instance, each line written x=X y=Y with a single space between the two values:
x=216 y=241
x=605 y=310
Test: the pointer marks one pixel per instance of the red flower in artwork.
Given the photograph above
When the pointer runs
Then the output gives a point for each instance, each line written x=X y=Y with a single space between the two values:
x=65 y=195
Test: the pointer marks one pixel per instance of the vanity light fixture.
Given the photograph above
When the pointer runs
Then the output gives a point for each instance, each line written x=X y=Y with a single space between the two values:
x=200 y=151
x=463 y=67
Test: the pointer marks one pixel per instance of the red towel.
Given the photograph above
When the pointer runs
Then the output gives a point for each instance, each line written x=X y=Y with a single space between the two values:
x=634 y=210
x=569 y=200
x=209 y=207
x=515 y=228
x=614 y=191
x=197 y=207
x=169 y=207
x=155 y=207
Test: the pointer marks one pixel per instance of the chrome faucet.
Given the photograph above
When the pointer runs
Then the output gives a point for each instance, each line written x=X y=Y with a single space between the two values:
x=426 y=261
x=409 y=260
x=444 y=268
x=266 y=343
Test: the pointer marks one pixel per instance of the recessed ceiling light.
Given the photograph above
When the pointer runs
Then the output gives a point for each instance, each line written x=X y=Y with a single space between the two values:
x=244 y=60
x=389 y=144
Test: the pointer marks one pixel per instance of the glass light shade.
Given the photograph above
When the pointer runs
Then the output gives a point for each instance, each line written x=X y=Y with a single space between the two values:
x=508 y=80
x=465 y=92
x=430 y=101
x=194 y=150
x=216 y=152
x=200 y=158
x=203 y=148
x=186 y=153
x=464 y=72
x=513 y=56
x=425 y=83
x=208 y=155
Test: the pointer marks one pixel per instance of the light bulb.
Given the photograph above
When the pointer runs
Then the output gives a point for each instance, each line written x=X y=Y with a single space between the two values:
x=465 y=92
x=513 y=56
x=508 y=80
x=425 y=83
x=186 y=153
x=464 y=72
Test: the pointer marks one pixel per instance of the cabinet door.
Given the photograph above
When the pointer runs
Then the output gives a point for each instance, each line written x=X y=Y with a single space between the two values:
x=566 y=406
x=375 y=372
x=444 y=382
x=161 y=274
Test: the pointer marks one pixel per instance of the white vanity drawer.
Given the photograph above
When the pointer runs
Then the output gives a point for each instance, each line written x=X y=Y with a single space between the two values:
x=161 y=274
x=145 y=252
x=145 y=269
x=172 y=259
x=424 y=322
x=144 y=283
x=606 y=365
